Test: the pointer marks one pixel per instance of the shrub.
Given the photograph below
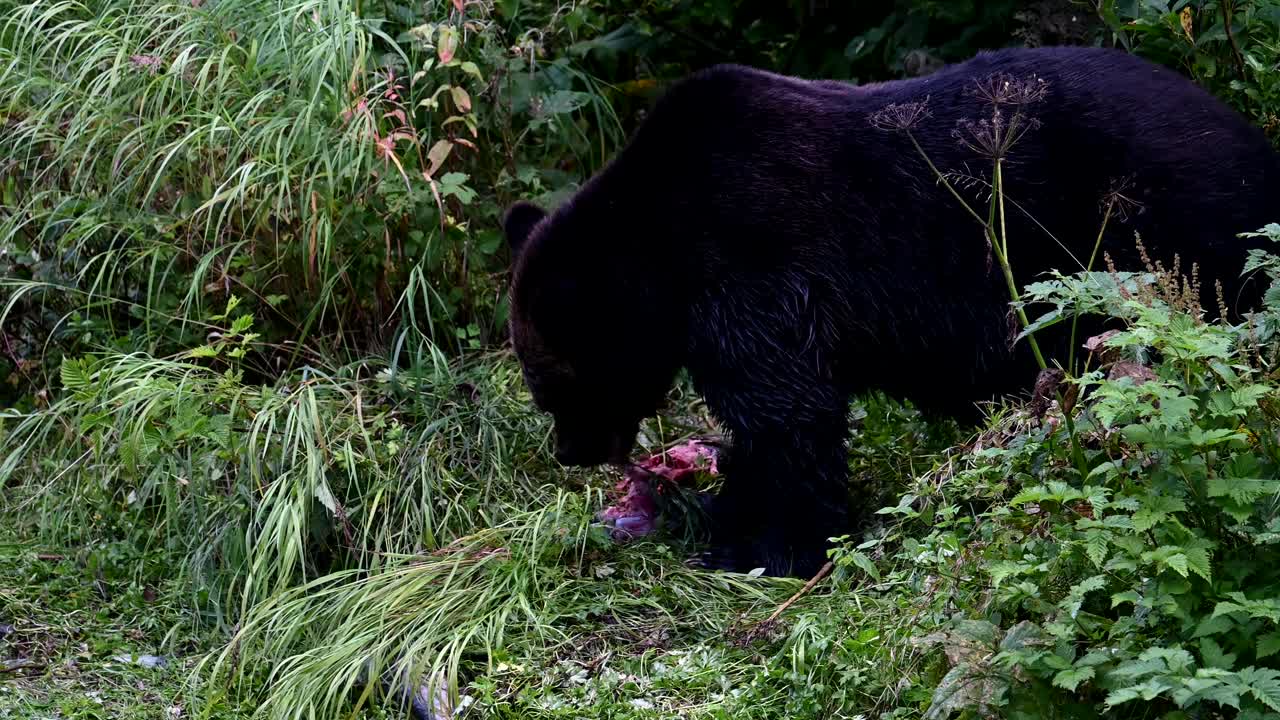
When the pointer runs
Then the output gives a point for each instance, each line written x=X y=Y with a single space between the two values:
x=1232 y=47
x=339 y=171
x=1146 y=581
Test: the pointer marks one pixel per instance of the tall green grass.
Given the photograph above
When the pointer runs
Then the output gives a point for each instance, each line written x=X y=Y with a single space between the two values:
x=243 y=481
x=330 y=163
x=352 y=522
x=159 y=145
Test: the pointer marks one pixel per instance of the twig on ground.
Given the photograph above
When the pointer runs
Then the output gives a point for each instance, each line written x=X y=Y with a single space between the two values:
x=20 y=664
x=823 y=572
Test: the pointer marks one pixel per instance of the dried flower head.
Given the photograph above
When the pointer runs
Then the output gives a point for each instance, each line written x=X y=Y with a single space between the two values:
x=1004 y=89
x=994 y=137
x=1118 y=201
x=900 y=116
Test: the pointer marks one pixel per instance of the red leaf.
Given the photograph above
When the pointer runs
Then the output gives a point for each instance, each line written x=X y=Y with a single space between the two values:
x=447 y=44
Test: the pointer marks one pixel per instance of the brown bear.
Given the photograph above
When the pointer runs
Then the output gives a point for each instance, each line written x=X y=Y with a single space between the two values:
x=801 y=253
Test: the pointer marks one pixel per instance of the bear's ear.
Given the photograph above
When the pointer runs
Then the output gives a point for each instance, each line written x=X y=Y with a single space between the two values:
x=518 y=222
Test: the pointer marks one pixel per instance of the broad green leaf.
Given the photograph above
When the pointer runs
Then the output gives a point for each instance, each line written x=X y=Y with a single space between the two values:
x=1268 y=645
x=1071 y=679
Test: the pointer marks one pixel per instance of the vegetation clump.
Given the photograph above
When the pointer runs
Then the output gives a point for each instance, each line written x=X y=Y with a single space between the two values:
x=259 y=420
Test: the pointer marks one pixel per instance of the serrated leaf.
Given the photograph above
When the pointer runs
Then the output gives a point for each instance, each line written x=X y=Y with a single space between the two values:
x=1209 y=684
x=240 y=324
x=75 y=375
x=1242 y=490
x=1227 y=608
x=1215 y=625
x=1198 y=561
x=1213 y=656
x=1148 y=691
x=1004 y=569
x=1268 y=645
x=1095 y=547
x=1088 y=585
x=1071 y=679
x=1154 y=510
x=1264 y=685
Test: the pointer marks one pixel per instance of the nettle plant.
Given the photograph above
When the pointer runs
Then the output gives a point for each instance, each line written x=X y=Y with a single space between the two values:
x=1148 y=584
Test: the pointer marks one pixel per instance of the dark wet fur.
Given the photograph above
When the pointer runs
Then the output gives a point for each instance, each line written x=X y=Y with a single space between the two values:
x=760 y=232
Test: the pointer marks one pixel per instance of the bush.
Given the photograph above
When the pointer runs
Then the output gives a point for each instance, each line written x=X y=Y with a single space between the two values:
x=1231 y=47
x=342 y=173
x=1147 y=580
x=251 y=272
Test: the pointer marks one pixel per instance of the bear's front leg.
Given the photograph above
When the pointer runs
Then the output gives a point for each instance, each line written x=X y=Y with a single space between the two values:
x=785 y=494
x=762 y=356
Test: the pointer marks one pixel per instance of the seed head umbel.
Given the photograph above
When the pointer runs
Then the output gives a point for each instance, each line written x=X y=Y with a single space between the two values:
x=900 y=116
x=994 y=137
x=1002 y=89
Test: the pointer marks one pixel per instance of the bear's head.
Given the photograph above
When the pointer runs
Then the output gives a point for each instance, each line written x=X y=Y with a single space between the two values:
x=575 y=312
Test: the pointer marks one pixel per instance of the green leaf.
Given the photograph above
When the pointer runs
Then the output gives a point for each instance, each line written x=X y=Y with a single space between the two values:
x=326 y=498
x=1128 y=596
x=1071 y=679
x=1243 y=490
x=1264 y=685
x=1095 y=547
x=1215 y=625
x=865 y=563
x=1146 y=691
x=1156 y=509
x=1227 y=608
x=242 y=323
x=1198 y=561
x=1213 y=656
x=1268 y=645
x=1168 y=556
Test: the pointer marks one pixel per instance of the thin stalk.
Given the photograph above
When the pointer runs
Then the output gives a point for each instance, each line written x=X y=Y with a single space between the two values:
x=991 y=237
x=1003 y=258
x=943 y=179
x=999 y=246
x=1075 y=319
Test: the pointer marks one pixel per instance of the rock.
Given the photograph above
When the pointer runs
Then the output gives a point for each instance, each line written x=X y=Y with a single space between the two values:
x=146 y=661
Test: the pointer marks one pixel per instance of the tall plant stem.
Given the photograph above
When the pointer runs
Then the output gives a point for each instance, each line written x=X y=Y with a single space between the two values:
x=1075 y=319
